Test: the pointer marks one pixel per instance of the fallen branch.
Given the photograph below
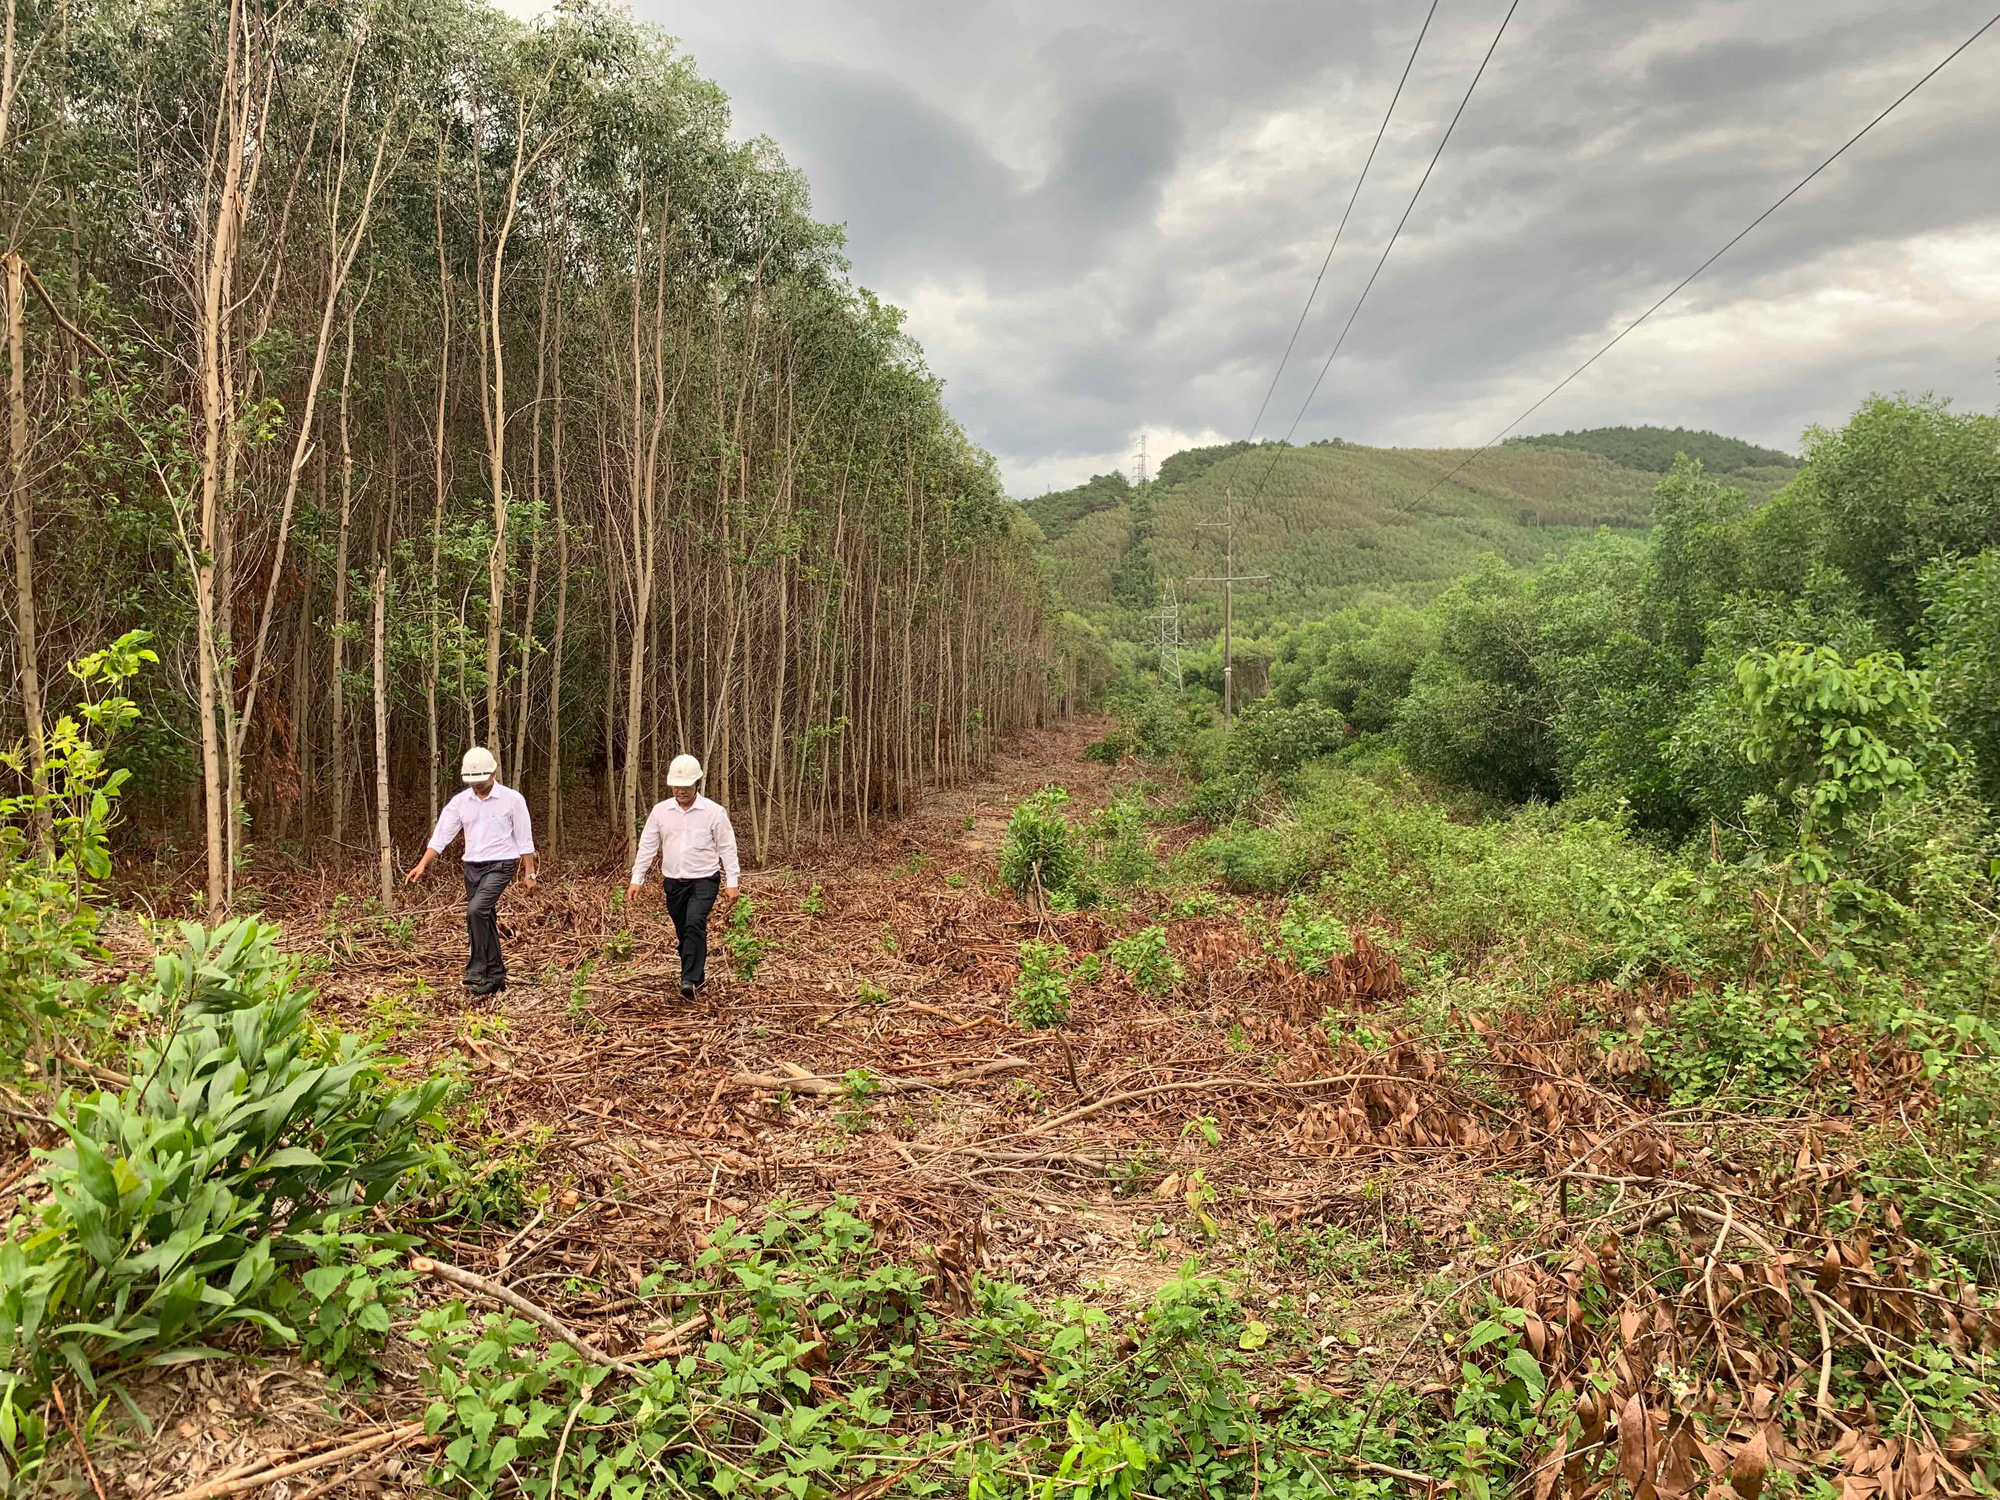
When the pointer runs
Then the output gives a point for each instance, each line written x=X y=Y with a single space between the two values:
x=470 y=1281
x=1189 y=1085
x=797 y=1080
x=214 y=1489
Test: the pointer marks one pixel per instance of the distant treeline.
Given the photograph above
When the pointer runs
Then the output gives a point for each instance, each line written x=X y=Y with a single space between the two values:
x=1655 y=448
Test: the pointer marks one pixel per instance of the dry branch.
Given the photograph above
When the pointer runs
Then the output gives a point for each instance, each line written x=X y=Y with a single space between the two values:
x=473 y=1282
x=214 y=1489
x=797 y=1080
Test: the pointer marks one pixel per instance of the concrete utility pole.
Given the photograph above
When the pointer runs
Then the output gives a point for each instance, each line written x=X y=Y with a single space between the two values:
x=1229 y=579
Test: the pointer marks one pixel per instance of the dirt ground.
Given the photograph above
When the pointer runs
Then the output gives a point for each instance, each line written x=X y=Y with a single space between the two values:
x=1226 y=1121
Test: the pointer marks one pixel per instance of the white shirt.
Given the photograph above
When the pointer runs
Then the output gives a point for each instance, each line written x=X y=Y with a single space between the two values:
x=495 y=826
x=692 y=842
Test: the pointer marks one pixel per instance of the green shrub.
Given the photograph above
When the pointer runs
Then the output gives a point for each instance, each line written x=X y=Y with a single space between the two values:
x=1271 y=741
x=1043 y=857
x=1110 y=750
x=179 y=1204
x=1124 y=854
x=1148 y=961
x=48 y=926
x=746 y=950
x=1041 y=994
x=1732 y=1042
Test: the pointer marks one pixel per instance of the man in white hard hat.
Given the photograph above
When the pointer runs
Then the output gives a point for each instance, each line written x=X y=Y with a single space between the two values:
x=696 y=849
x=499 y=839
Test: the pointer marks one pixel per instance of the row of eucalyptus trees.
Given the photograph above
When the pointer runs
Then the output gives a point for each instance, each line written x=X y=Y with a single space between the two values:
x=420 y=377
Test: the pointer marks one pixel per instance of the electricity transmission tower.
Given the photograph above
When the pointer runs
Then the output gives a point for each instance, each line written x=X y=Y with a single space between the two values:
x=1168 y=616
x=1228 y=578
x=1140 y=482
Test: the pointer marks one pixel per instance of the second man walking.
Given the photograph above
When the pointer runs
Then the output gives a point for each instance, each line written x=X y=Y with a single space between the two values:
x=696 y=848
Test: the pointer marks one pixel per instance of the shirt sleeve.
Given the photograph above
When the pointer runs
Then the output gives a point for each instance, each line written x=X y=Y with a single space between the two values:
x=725 y=848
x=524 y=826
x=449 y=825
x=649 y=846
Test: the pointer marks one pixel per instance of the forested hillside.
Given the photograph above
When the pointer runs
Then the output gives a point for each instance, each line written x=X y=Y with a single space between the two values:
x=1335 y=524
x=416 y=377
x=1655 y=449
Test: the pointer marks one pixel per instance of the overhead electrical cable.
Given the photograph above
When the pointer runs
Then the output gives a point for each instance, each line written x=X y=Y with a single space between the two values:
x=1685 y=280
x=1386 y=249
x=1312 y=295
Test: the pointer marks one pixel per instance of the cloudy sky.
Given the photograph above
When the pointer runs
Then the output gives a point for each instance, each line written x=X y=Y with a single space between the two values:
x=1105 y=217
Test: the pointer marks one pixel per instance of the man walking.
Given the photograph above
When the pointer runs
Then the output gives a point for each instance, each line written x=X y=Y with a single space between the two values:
x=696 y=847
x=499 y=839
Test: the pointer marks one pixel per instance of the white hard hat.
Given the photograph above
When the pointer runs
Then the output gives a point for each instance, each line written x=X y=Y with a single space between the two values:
x=685 y=771
x=478 y=764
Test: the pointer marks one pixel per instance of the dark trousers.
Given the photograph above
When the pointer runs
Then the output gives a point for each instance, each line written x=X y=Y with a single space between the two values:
x=689 y=902
x=485 y=879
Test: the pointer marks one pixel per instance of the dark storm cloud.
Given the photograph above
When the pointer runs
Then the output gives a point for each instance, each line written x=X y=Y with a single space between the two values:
x=1104 y=217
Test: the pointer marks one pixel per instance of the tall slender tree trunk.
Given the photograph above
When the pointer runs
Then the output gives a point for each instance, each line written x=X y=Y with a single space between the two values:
x=554 y=818
x=337 y=689
x=26 y=637
x=385 y=858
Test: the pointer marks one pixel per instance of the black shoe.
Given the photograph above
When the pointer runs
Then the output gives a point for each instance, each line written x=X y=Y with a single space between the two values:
x=687 y=994
x=488 y=987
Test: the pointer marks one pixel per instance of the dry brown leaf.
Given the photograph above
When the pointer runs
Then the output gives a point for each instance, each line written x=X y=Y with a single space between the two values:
x=1751 y=1464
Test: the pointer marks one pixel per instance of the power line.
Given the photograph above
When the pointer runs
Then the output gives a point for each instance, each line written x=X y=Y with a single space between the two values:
x=1228 y=578
x=1684 y=281
x=1381 y=131
x=1437 y=155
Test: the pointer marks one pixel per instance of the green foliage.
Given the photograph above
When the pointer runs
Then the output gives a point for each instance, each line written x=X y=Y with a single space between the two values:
x=1844 y=740
x=176 y=1206
x=1268 y=740
x=1041 y=993
x=1148 y=960
x=1043 y=857
x=747 y=951
x=48 y=924
x=1735 y=1043
x=1357 y=662
x=1123 y=854
x=1310 y=939
x=342 y=1308
x=813 y=904
x=1962 y=630
x=1477 y=713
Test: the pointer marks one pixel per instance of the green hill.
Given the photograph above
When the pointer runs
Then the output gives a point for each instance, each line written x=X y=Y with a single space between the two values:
x=1336 y=524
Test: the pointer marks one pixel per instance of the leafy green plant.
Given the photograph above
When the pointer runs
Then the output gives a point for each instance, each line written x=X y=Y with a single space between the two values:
x=747 y=951
x=54 y=849
x=856 y=1090
x=1042 y=857
x=578 y=1008
x=177 y=1203
x=813 y=904
x=1310 y=939
x=620 y=946
x=1041 y=994
x=1148 y=960
x=342 y=1308
x=1124 y=855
